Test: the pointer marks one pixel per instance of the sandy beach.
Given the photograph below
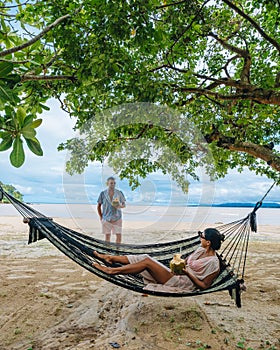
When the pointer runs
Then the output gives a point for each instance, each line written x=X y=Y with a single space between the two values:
x=48 y=302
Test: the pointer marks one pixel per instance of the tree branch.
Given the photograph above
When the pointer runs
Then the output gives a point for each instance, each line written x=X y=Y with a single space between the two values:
x=188 y=27
x=254 y=24
x=171 y=4
x=226 y=45
x=36 y=38
x=7 y=15
x=29 y=77
x=245 y=73
x=221 y=80
x=14 y=62
x=63 y=106
x=163 y=6
x=222 y=68
x=257 y=151
x=262 y=96
x=216 y=82
x=13 y=6
x=265 y=153
x=52 y=60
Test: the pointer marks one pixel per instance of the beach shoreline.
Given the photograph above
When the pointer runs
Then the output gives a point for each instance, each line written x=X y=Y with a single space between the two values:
x=139 y=220
x=48 y=302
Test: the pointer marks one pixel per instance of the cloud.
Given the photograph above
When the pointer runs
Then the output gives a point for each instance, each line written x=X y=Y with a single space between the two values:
x=245 y=187
x=23 y=190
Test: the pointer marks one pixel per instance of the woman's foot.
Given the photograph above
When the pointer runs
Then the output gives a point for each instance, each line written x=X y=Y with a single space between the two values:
x=105 y=269
x=103 y=257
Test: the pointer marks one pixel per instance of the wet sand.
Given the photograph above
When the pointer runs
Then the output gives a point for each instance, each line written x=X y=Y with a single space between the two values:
x=48 y=302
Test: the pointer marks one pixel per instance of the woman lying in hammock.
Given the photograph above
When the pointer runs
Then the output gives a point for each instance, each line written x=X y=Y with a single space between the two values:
x=202 y=267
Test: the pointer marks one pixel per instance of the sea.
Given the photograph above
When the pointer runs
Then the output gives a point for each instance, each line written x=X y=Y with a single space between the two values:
x=141 y=224
x=158 y=215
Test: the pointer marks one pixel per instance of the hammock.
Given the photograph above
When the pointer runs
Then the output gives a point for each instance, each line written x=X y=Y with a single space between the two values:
x=79 y=247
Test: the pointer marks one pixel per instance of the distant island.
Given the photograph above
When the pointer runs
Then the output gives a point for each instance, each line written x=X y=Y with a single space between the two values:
x=239 y=205
x=10 y=189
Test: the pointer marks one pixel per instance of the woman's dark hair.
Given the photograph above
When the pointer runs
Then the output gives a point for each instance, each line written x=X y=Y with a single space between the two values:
x=215 y=237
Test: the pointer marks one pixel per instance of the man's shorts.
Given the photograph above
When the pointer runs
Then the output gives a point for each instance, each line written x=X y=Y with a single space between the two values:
x=114 y=227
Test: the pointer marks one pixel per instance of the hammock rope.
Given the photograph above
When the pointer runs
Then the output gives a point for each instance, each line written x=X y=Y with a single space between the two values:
x=79 y=247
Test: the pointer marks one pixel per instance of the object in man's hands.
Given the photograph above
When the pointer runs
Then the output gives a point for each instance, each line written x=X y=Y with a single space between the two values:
x=115 y=202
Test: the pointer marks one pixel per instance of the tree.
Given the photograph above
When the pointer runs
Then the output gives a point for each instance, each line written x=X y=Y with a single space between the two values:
x=11 y=190
x=214 y=62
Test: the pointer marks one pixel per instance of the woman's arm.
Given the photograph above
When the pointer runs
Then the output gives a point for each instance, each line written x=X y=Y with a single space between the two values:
x=202 y=284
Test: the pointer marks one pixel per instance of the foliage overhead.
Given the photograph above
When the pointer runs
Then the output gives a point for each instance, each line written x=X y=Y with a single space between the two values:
x=10 y=189
x=145 y=138
x=214 y=62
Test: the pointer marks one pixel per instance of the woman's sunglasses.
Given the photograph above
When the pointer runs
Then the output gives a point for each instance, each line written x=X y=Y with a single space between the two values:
x=201 y=235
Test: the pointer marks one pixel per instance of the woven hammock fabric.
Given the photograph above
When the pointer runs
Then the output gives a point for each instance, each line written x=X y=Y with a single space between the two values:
x=79 y=247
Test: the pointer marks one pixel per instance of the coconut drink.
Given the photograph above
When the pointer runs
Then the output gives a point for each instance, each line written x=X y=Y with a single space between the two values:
x=116 y=202
x=177 y=264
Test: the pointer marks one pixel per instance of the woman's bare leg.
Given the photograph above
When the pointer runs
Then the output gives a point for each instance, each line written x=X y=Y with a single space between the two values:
x=110 y=259
x=158 y=272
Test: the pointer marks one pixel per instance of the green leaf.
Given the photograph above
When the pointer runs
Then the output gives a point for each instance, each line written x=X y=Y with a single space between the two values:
x=12 y=79
x=28 y=132
x=21 y=114
x=34 y=146
x=36 y=123
x=28 y=120
x=17 y=156
x=6 y=143
x=5 y=68
x=4 y=134
x=46 y=108
x=5 y=93
x=5 y=28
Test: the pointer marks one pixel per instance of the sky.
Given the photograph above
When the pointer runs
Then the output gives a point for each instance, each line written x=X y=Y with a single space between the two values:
x=43 y=179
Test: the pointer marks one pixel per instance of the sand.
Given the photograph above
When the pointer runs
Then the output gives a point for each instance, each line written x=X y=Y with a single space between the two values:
x=48 y=302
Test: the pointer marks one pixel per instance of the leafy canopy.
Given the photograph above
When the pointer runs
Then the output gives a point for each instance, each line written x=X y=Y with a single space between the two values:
x=216 y=63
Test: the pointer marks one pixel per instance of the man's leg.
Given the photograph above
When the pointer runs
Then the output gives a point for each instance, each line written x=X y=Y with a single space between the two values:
x=106 y=229
x=118 y=238
x=117 y=230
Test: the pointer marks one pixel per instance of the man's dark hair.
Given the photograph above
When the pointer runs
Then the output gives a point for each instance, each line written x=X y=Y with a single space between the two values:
x=111 y=178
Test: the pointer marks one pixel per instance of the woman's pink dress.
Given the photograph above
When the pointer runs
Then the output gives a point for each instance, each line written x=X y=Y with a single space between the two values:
x=200 y=268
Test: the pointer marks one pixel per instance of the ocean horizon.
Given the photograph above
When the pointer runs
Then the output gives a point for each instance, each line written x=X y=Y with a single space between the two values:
x=159 y=214
x=164 y=204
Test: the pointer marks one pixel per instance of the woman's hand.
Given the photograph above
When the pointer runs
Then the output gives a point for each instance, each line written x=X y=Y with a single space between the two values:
x=183 y=272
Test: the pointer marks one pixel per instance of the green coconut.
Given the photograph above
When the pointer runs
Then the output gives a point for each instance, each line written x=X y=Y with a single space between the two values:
x=115 y=202
x=177 y=264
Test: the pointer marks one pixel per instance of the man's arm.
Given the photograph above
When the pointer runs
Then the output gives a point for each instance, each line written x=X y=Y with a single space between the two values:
x=122 y=200
x=122 y=205
x=99 y=211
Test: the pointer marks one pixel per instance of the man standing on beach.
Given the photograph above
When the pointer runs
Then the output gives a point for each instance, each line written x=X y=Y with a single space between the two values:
x=109 y=205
